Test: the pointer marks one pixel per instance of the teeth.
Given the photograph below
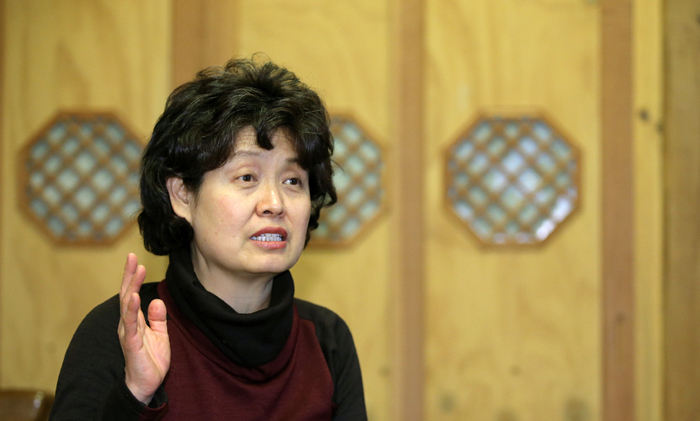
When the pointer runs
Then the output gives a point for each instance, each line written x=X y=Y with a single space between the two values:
x=267 y=237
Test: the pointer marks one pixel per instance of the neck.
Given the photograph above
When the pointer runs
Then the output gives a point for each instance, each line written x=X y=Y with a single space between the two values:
x=243 y=294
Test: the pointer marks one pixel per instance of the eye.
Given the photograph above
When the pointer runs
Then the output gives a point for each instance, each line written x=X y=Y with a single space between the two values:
x=246 y=178
x=293 y=181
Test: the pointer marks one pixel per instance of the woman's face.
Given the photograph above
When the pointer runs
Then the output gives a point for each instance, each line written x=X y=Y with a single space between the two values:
x=250 y=216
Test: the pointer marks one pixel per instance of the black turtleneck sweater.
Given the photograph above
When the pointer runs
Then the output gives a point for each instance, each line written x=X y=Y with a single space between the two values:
x=291 y=361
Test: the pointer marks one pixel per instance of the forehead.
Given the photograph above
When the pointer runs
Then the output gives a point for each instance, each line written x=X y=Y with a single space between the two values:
x=246 y=144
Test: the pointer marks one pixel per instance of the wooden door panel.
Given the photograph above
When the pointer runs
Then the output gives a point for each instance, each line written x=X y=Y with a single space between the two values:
x=649 y=208
x=68 y=55
x=513 y=332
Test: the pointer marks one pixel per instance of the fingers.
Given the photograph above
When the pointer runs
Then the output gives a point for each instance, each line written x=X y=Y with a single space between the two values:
x=134 y=275
x=131 y=315
x=129 y=270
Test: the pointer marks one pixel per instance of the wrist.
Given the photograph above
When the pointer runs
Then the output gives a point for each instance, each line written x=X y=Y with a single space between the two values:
x=144 y=398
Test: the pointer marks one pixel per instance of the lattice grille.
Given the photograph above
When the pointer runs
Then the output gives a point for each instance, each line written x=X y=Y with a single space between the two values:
x=358 y=181
x=80 y=178
x=512 y=180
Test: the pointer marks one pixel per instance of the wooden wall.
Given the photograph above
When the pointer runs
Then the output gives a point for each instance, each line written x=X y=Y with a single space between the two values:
x=510 y=334
x=514 y=333
x=648 y=120
x=682 y=228
x=204 y=33
x=76 y=55
x=617 y=245
x=408 y=104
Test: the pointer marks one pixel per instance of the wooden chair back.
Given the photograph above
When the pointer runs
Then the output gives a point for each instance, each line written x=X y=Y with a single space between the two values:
x=24 y=405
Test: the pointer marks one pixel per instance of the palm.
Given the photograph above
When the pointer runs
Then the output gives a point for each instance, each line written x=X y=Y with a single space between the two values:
x=146 y=349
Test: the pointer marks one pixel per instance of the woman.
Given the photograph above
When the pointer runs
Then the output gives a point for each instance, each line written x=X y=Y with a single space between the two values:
x=232 y=184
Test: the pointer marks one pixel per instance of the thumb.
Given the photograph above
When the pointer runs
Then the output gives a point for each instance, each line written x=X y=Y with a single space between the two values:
x=157 y=316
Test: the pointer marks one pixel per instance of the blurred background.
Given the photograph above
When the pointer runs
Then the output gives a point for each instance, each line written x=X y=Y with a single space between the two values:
x=528 y=245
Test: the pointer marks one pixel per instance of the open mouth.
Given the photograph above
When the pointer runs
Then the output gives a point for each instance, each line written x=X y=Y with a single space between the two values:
x=268 y=237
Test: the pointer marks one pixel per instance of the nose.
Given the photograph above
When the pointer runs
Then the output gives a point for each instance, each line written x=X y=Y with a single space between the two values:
x=270 y=203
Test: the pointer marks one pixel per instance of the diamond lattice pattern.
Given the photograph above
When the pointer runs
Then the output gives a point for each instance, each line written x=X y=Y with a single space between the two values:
x=512 y=180
x=81 y=178
x=358 y=182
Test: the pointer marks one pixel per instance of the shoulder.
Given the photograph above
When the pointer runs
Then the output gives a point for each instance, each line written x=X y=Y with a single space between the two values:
x=95 y=342
x=332 y=333
x=330 y=328
x=92 y=364
x=93 y=361
x=99 y=328
x=106 y=315
x=310 y=311
x=338 y=348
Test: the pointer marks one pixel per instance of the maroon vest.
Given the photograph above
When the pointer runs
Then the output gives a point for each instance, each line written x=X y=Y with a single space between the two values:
x=203 y=384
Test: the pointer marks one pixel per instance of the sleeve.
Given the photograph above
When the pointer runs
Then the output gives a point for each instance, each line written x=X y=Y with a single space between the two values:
x=349 y=394
x=91 y=382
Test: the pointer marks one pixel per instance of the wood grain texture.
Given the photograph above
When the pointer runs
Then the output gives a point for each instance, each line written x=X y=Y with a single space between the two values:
x=82 y=54
x=408 y=110
x=682 y=229
x=513 y=333
x=2 y=141
x=341 y=49
x=205 y=33
x=618 y=211
x=648 y=198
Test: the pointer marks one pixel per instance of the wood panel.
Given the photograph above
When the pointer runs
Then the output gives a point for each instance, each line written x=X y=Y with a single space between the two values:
x=82 y=54
x=408 y=112
x=513 y=333
x=342 y=50
x=648 y=199
x=682 y=228
x=618 y=211
x=205 y=33
x=2 y=141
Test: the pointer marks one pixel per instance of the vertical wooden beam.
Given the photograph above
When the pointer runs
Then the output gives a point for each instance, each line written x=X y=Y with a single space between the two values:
x=2 y=118
x=682 y=210
x=408 y=128
x=618 y=211
x=205 y=33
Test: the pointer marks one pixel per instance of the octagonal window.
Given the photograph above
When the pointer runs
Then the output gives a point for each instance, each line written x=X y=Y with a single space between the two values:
x=357 y=177
x=78 y=178
x=512 y=179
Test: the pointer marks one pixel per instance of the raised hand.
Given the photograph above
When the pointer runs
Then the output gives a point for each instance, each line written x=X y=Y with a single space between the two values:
x=146 y=349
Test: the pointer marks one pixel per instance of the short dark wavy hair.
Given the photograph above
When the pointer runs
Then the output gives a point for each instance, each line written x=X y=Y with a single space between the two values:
x=197 y=133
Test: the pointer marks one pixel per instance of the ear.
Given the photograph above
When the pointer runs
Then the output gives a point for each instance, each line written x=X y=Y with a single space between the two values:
x=180 y=198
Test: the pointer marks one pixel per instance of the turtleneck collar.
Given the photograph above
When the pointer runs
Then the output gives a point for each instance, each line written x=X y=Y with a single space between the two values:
x=248 y=340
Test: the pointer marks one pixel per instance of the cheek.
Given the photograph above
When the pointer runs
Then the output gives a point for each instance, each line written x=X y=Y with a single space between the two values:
x=302 y=211
x=217 y=216
x=305 y=210
x=223 y=208
x=231 y=212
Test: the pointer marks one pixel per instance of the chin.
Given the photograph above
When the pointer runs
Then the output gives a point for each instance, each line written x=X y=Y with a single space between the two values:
x=274 y=268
